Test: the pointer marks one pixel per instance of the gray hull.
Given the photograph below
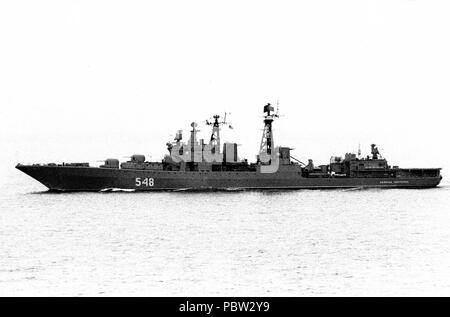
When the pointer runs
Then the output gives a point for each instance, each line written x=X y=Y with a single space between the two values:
x=64 y=178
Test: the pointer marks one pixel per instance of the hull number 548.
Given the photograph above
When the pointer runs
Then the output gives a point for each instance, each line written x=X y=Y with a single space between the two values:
x=145 y=182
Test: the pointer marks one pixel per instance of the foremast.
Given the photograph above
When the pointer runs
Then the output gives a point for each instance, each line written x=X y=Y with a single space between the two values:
x=214 y=141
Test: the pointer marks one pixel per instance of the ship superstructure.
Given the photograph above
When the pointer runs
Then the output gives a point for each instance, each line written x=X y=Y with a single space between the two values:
x=211 y=165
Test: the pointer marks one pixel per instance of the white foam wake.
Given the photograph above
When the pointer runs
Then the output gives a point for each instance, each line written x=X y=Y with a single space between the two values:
x=109 y=190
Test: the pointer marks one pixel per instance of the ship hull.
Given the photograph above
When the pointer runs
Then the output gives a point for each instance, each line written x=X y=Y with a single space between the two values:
x=64 y=178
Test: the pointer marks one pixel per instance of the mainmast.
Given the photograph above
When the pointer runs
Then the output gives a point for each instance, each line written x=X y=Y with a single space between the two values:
x=267 y=142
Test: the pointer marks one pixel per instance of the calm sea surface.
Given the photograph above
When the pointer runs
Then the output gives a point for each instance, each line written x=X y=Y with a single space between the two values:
x=333 y=242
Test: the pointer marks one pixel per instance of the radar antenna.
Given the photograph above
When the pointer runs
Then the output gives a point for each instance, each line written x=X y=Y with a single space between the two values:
x=374 y=151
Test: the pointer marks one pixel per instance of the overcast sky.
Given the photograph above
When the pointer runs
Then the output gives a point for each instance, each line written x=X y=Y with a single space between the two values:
x=91 y=79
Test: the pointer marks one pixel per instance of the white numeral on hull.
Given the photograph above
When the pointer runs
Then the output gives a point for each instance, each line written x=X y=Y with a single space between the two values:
x=145 y=182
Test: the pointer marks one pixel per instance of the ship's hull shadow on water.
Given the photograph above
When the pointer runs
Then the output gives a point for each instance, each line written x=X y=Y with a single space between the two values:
x=231 y=190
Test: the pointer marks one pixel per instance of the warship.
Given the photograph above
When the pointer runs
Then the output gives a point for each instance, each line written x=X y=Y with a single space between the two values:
x=199 y=165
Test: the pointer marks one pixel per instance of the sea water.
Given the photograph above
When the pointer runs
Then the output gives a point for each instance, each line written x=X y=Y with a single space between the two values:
x=257 y=243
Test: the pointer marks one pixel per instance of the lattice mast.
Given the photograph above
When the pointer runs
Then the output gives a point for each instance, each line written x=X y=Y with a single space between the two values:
x=267 y=141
